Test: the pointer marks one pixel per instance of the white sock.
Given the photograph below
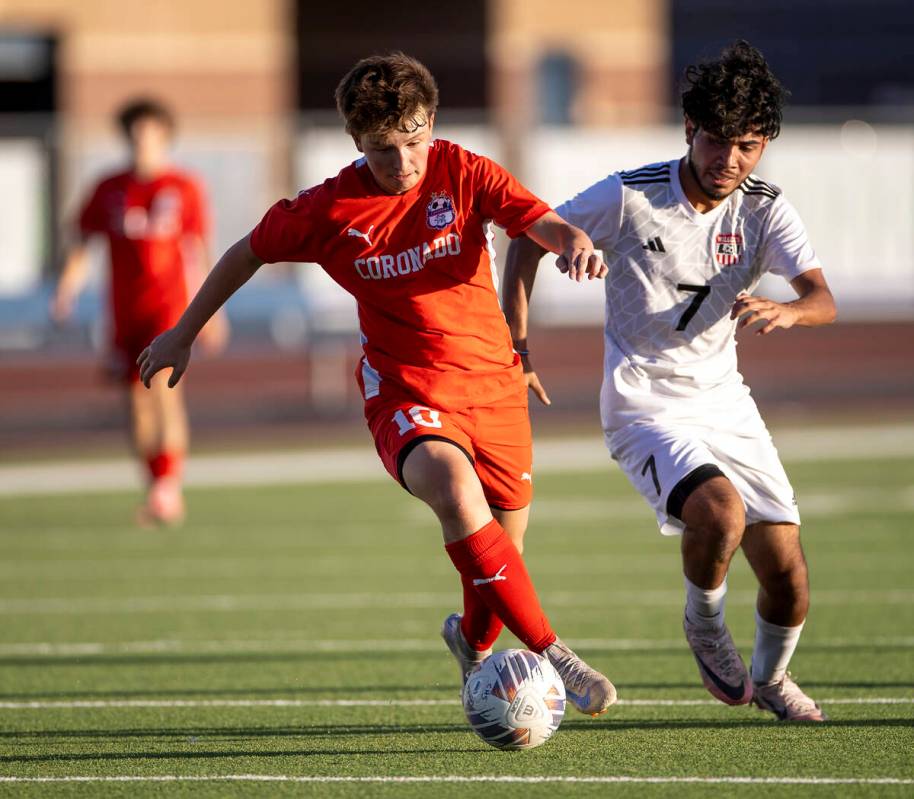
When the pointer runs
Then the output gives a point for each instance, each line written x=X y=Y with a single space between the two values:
x=705 y=607
x=774 y=646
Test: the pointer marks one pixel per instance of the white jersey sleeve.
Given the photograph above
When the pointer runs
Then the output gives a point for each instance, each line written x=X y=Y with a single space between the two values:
x=597 y=211
x=786 y=251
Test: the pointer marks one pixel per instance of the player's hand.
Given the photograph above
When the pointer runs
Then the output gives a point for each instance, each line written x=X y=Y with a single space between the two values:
x=751 y=310
x=578 y=261
x=533 y=382
x=60 y=307
x=165 y=350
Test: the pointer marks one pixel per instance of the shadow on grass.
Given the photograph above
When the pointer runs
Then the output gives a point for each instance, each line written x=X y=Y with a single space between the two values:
x=209 y=735
x=734 y=724
x=216 y=736
x=187 y=733
x=75 y=757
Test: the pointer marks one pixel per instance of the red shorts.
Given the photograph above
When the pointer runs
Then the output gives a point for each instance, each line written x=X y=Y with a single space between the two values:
x=128 y=343
x=496 y=439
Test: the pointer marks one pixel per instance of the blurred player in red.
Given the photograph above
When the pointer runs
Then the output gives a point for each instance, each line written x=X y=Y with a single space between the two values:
x=156 y=222
x=405 y=230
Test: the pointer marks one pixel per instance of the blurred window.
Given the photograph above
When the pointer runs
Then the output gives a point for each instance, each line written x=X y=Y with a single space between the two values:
x=860 y=52
x=26 y=73
x=449 y=38
x=557 y=79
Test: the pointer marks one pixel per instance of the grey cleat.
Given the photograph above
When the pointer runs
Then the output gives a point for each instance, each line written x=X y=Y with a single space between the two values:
x=586 y=689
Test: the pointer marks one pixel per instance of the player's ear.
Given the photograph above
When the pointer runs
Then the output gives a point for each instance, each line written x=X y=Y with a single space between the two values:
x=690 y=129
x=358 y=143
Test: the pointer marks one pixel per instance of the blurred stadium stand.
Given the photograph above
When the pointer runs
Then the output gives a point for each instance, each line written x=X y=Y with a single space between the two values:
x=522 y=81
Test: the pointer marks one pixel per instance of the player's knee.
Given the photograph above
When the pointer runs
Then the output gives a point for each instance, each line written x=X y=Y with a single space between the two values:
x=445 y=481
x=453 y=499
x=719 y=525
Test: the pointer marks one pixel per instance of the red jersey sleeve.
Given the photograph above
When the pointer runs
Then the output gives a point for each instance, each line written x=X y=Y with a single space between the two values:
x=502 y=198
x=92 y=218
x=196 y=217
x=289 y=231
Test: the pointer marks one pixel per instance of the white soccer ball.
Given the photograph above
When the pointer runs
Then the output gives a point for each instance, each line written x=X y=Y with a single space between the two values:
x=514 y=700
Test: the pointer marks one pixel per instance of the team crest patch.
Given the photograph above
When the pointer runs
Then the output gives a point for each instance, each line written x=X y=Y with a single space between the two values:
x=440 y=211
x=728 y=248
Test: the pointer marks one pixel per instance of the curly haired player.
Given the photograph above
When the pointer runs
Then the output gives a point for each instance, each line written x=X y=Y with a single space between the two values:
x=405 y=230
x=686 y=242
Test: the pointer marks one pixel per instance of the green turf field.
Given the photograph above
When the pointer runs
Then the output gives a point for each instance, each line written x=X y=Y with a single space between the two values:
x=293 y=632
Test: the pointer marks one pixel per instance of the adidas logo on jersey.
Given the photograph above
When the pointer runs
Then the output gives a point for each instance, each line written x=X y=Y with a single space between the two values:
x=654 y=245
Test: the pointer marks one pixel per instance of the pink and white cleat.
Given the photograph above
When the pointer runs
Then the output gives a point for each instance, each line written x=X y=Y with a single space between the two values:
x=722 y=669
x=787 y=701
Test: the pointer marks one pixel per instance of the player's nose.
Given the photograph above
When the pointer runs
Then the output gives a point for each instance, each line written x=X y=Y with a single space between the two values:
x=399 y=160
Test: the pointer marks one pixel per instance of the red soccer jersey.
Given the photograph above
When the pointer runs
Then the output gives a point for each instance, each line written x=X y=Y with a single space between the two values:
x=145 y=222
x=420 y=266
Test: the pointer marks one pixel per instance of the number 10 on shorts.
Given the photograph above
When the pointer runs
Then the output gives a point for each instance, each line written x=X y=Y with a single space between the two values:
x=418 y=416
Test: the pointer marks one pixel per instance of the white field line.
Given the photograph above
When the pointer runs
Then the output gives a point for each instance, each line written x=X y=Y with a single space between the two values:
x=47 y=649
x=381 y=601
x=357 y=465
x=469 y=779
x=104 y=704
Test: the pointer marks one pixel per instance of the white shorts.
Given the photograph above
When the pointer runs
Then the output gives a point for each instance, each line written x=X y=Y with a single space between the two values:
x=666 y=459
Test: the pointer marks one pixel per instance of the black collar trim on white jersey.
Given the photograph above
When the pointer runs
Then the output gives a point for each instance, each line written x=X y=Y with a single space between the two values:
x=753 y=185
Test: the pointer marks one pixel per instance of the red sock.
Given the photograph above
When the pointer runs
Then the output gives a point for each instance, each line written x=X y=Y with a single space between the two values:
x=496 y=570
x=165 y=464
x=479 y=625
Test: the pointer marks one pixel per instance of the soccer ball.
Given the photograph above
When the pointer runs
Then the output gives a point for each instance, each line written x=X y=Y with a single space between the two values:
x=514 y=700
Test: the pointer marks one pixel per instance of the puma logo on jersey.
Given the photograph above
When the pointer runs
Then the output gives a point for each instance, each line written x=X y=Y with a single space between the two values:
x=359 y=235
x=654 y=245
x=527 y=476
x=497 y=577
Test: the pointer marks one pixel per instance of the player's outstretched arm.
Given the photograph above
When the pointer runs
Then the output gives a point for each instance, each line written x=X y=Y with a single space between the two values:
x=215 y=333
x=814 y=306
x=172 y=348
x=520 y=271
x=73 y=276
x=577 y=256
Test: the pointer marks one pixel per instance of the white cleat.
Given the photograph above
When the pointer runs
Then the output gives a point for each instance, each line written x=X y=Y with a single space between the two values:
x=787 y=701
x=164 y=506
x=468 y=659
x=586 y=689
x=722 y=669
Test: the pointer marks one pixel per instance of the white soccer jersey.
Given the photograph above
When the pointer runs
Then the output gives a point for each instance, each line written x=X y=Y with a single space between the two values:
x=674 y=274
